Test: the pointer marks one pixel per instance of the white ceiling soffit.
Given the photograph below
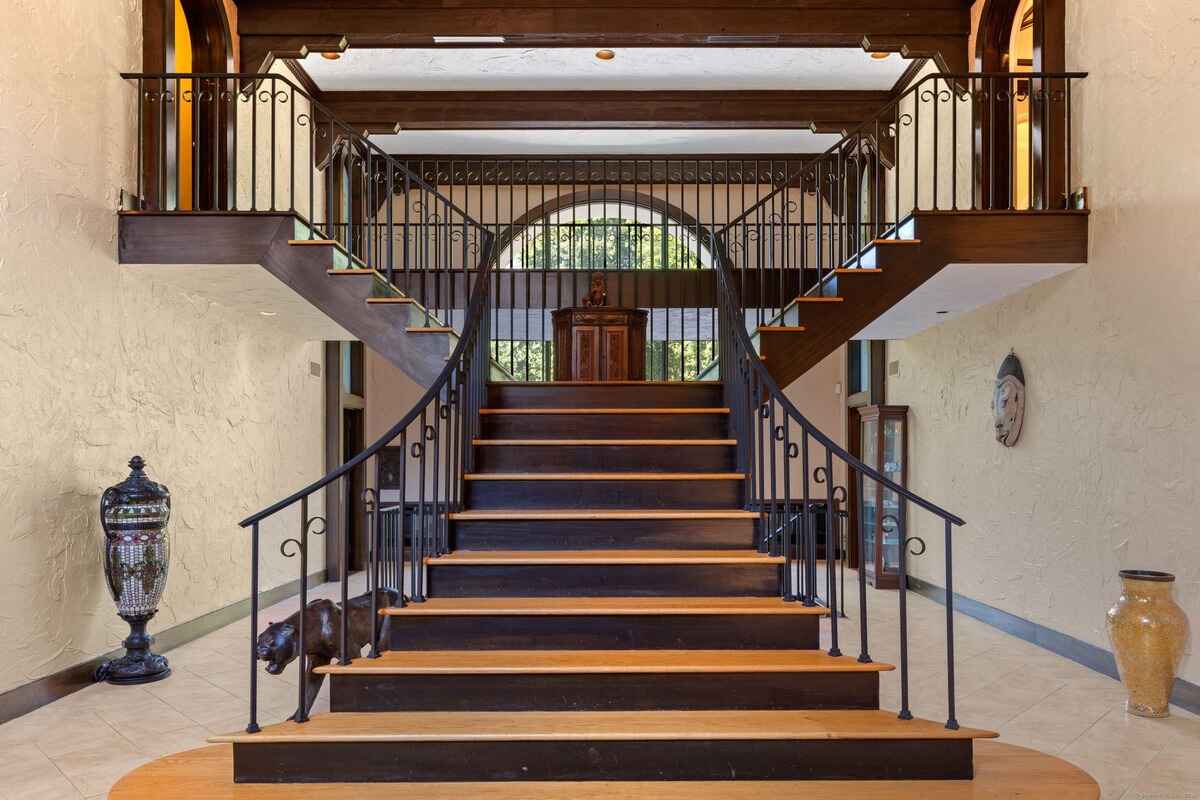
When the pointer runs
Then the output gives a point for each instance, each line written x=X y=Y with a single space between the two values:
x=604 y=142
x=578 y=69
x=955 y=290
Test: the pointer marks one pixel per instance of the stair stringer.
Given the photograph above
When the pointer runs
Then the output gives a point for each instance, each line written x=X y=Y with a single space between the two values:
x=189 y=240
x=892 y=269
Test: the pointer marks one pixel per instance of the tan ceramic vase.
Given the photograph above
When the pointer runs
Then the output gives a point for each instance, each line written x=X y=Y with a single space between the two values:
x=1148 y=632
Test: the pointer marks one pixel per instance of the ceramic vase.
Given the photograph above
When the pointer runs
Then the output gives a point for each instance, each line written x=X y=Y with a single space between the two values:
x=1148 y=632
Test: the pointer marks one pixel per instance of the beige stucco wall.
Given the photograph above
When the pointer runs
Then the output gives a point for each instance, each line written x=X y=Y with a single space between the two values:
x=1107 y=472
x=100 y=363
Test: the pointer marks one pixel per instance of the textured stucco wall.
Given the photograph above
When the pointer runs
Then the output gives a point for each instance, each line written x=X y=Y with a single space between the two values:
x=1107 y=472
x=100 y=362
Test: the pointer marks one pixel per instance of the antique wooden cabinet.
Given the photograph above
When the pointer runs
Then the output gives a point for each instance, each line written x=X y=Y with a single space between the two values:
x=599 y=344
x=883 y=444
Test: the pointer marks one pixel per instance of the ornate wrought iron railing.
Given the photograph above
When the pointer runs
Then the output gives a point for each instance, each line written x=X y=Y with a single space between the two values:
x=966 y=142
x=773 y=439
x=256 y=143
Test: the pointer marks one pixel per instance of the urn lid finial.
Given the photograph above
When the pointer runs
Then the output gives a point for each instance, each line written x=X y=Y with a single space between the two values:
x=137 y=463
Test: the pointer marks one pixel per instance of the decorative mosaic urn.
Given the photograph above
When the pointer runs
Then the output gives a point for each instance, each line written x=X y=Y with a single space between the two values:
x=1148 y=631
x=134 y=515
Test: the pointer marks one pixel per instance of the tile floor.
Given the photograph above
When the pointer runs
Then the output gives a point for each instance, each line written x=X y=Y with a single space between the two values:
x=79 y=746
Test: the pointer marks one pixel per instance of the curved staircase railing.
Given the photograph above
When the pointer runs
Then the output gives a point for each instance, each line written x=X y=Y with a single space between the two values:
x=434 y=452
x=936 y=147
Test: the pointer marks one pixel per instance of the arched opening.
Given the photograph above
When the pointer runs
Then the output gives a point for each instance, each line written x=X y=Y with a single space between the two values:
x=654 y=256
x=181 y=36
x=1013 y=123
x=602 y=234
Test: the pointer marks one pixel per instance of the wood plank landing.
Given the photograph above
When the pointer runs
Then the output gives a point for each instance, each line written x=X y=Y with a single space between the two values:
x=542 y=557
x=611 y=726
x=1002 y=772
x=499 y=662
x=614 y=606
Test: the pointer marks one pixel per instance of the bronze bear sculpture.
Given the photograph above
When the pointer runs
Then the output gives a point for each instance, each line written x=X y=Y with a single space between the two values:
x=278 y=645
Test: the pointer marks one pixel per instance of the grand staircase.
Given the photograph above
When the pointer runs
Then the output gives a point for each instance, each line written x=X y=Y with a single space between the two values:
x=604 y=613
x=604 y=590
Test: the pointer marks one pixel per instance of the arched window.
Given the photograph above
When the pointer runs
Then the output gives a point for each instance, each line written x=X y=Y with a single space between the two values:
x=607 y=235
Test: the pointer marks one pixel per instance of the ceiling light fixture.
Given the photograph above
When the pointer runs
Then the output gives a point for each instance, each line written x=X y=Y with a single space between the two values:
x=331 y=56
x=605 y=55
x=880 y=56
x=468 y=40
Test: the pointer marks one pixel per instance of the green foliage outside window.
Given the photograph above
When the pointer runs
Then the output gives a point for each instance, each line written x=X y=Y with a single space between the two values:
x=608 y=243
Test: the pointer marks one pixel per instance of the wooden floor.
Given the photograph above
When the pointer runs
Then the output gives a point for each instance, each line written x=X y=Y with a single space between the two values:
x=499 y=662
x=576 y=606
x=1002 y=772
x=468 y=726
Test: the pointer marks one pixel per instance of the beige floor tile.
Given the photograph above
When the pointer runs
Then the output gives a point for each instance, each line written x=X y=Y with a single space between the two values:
x=94 y=769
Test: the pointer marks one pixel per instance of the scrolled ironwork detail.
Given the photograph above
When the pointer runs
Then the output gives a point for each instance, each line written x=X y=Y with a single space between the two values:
x=311 y=531
x=283 y=548
x=910 y=541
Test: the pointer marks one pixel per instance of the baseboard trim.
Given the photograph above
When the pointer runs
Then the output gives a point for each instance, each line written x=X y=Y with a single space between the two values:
x=1186 y=695
x=35 y=694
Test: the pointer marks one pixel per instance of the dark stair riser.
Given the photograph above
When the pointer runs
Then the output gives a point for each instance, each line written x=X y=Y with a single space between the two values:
x=619 y=534
x=603 y=494
x=542 y=395
x=605 y=458
x=607 y=632
x=604 y=691
x=603 y=580
x=584 y=760
x=605 y=426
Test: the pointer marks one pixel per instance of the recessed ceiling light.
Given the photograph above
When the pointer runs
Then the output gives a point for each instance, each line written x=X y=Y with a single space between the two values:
x=880 y=56
x=468 y=40
x=605 y=55
x=331 y=56
x=269 y=313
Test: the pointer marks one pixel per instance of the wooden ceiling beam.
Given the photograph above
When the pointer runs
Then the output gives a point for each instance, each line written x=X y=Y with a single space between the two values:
x=505 y=110
x=933 y=28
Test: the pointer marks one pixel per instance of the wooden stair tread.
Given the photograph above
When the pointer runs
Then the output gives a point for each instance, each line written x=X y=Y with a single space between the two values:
x=604 y=442
x=596 y=606
x=895 y=241
x=818 y=298
x=852 y=270
x=601 y=514
x=545 y=384
x=478 y=726
x=1001 y=771
x=604 y=476
x=782 y=329
x=429 y=329
x=499 y=662
x=310 y=242
x=388 y=300
x=529 y=557
x=628 y=410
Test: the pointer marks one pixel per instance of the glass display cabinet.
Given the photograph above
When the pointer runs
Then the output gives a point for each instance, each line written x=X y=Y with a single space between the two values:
x=883 y=443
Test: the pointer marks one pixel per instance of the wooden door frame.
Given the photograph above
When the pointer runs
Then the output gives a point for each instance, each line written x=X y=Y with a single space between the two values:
x=993 y=144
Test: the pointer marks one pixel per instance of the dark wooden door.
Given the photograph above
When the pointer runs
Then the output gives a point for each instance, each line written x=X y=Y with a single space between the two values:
x=616 y=353
x=585 y=350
